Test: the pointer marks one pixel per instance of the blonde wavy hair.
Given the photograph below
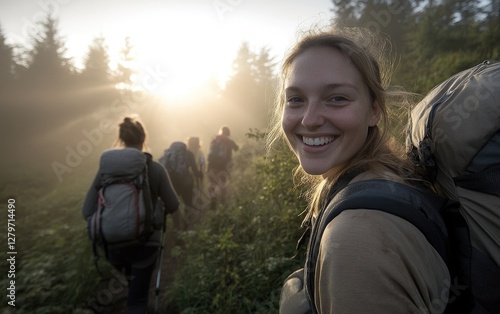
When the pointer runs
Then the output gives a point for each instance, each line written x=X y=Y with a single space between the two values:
x=372 y=55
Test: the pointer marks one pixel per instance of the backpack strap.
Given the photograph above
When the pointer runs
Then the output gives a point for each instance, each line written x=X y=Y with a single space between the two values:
x=148 y=201
x=98 y=240
x=485 y=287
x=486 y=181
x=414 y=205
x=340 y=184
x=482 y=174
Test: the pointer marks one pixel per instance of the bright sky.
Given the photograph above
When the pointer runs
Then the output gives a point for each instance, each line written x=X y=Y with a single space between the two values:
x=177 y=42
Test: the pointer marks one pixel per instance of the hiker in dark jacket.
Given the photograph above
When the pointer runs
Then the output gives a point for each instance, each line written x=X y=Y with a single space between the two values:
x=220 y=162
x=181 y=167
x=193 y=145
x=137 y=263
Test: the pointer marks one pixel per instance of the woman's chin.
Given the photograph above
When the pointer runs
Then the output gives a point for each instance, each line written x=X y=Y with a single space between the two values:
x=314 y=170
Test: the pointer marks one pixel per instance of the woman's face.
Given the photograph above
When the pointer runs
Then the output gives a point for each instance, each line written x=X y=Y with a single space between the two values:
x=327 y=110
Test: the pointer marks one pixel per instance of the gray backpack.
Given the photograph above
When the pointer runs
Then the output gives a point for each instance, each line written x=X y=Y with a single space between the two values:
x=124 y=215
x=454 y=135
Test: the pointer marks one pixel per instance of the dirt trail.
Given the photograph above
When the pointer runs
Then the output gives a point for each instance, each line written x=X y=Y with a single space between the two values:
x=118 y=304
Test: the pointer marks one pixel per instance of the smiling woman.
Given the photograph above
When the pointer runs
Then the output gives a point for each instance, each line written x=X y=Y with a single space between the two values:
x=333 y=95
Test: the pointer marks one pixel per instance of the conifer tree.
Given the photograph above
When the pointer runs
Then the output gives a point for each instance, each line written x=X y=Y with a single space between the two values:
x=242 y=80
x=125 y=69
x=6 y=61
x=249 y=89
x=96 y=70
x=47 y=64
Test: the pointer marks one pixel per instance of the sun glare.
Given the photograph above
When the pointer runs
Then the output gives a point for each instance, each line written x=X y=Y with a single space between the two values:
x=177 y=57
x=179 y=80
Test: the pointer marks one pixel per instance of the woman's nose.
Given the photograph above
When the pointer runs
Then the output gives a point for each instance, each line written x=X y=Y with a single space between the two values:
x=313 y=115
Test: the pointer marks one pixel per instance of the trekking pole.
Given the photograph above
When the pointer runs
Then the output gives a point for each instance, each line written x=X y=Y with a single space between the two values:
x=158 y=274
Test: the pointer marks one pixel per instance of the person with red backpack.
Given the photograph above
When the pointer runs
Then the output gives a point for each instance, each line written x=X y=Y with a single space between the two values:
x=122 y=208
x=219 y=165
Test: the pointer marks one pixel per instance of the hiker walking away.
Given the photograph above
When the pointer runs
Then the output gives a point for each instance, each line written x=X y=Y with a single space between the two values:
x=219 y=165
x=136 y=261
x=181 y=167
x=194 y=147
x=331 y=104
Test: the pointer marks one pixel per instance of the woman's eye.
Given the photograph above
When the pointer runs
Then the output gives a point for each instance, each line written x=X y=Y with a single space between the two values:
x=337 y=99
x=294 y=100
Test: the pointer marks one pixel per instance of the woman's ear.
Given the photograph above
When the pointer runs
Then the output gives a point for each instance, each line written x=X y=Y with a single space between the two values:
x=375 y=114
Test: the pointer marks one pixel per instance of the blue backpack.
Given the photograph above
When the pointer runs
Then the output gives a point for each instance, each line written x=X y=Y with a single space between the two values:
x=175 y=161
x=454 y=135
x=219 y=154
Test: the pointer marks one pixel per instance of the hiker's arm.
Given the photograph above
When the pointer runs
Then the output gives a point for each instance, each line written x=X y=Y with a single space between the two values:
x=203 y=162
x=192 y=165
x=90 y=202
x=234 y=146
x=374 y=262
x=167 y=193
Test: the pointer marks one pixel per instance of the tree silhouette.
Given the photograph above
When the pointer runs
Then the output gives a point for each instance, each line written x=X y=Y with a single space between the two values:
x=391 y=17
x=47 y=64
x=96 y=70
x=464 y=39
x=6 y=62
x=125 y=68
x=265 y=77
x=434 y=39
x=490 y=30
x=242 y=81
x=249 y=90
x=264 y=65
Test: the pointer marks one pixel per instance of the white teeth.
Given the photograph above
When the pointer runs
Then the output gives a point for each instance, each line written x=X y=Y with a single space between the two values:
x=317 y=141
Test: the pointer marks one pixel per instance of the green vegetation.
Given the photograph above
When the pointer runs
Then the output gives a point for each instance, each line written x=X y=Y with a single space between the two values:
x=54 y=259
x=236 y=260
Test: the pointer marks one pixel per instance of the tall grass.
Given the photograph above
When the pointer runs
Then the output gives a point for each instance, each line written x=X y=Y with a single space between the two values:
x=54 y=269
x=236 y=260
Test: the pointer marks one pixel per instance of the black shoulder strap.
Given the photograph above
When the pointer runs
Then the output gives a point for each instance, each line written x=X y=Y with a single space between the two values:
x=417 y=206
x=486 y=181
x=146 y=192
